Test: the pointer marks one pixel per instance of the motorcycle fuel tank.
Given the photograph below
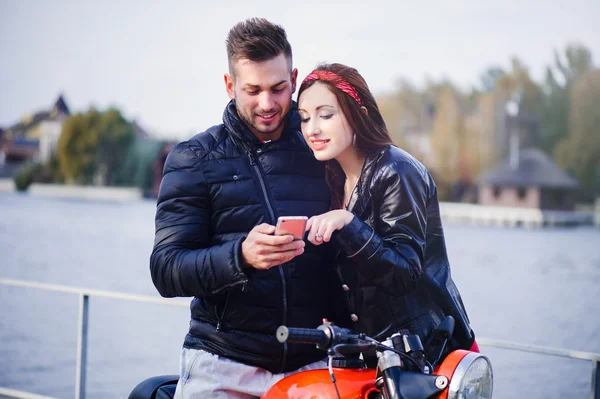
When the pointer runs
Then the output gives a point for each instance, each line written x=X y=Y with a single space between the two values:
x=313 y=384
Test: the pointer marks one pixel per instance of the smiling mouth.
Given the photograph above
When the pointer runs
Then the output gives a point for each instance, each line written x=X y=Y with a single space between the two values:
x=318 y=144
x=267 y=117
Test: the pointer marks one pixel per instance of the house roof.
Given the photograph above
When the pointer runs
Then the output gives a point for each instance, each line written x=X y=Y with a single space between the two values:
x=535 y=169
x=59 y=107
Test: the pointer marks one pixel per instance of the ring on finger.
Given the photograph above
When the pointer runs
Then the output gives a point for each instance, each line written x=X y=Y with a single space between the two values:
x=319 y=237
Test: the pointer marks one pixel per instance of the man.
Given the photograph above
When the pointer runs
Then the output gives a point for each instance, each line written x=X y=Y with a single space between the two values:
x=220 y=196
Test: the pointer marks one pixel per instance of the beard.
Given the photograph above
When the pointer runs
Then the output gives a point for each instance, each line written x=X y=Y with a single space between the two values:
x=258 y=127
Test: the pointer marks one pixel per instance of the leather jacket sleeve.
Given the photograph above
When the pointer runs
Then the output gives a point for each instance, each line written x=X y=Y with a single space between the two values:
x=391 y=255
x=183 y=262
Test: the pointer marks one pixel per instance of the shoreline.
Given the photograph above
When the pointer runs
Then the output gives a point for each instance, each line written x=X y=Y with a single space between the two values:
x=117 y=194
x=449 y=211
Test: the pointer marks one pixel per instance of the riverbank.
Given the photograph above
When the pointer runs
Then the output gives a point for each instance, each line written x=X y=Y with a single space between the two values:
x=512 y=217
x=117 y=194
x=450 y=211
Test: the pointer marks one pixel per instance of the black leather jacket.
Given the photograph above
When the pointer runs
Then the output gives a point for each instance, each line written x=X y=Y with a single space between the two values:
x=392 y=256
x=216 y=187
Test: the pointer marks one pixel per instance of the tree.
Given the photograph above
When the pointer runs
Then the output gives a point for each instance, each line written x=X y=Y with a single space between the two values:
x=391 y=112
x=75 y=148
x=578 y=152
x=409 y=113
x=579 y=61
x=446 y=141
x=490 y=78
x=93 y=146
x=114 y=146
x=519 y=80
x=555 y=114
x=559 y=78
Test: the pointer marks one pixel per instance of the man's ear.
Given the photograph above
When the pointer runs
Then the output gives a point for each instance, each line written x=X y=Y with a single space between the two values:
x=229 y=86
x=294 y=79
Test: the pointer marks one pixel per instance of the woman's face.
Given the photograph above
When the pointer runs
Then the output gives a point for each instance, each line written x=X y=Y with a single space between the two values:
x=324 y=125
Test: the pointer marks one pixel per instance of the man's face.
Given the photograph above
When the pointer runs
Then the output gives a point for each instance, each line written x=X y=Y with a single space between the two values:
x=263 y=94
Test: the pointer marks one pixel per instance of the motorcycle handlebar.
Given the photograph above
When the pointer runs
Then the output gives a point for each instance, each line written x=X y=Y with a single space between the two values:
x=303 y=336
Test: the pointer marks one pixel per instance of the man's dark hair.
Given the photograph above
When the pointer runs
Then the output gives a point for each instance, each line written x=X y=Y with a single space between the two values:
x=257 y=39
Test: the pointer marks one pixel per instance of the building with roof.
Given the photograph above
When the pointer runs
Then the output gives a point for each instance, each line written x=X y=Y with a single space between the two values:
x=528 y=179
x=34 y=137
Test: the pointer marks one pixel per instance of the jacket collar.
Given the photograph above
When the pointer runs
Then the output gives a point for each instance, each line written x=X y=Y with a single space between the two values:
x=240 y=132
x=361 y=200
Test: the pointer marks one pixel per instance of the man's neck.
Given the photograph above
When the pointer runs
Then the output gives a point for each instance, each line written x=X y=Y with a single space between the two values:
x=266 y=137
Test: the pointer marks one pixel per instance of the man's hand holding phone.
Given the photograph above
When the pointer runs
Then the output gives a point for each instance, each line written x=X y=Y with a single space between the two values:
x=263 y=249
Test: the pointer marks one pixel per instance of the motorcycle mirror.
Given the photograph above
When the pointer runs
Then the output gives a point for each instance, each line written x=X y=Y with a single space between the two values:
x=445 y=329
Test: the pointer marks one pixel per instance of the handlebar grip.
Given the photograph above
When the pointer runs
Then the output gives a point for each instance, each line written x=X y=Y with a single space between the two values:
x=302 y=336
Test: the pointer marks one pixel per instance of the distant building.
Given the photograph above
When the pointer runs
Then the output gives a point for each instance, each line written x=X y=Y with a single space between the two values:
x=34 y=137
x=529 y=180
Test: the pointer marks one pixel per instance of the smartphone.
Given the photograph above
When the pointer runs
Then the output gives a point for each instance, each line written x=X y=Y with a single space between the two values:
x=294 y=225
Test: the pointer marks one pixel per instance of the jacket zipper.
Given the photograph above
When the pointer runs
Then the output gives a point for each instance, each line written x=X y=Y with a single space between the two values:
x=222 y=317
x=230 y=285
x=348 y=297
x=257 y=169
x=285 y=348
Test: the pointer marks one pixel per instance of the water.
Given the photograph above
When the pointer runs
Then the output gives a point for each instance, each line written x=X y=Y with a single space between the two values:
x=531 y=286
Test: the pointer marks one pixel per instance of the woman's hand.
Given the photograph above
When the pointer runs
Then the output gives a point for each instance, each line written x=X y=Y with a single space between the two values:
x=321 y=227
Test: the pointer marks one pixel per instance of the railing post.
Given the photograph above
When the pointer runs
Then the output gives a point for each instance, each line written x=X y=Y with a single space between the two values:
x=82 y=337
x=595 y=379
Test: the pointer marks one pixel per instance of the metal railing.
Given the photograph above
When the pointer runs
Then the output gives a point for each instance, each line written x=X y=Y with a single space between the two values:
x=546 y=350
x=82 y=341
x=82 y=326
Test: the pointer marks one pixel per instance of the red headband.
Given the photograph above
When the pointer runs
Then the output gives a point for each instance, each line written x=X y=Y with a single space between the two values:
x=337 y=81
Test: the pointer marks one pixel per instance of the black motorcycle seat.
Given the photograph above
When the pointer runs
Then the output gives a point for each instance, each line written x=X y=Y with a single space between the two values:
x=166 y=391
x=159 y=387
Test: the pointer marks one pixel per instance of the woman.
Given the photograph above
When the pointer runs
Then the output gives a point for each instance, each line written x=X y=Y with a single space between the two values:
x=384 y=221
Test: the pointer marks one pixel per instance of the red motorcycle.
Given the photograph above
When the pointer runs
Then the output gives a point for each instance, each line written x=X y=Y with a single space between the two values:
x=403 y=371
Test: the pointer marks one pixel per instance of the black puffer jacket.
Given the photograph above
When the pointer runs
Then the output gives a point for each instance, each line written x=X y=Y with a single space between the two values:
x=392 y=256
x=216 y=187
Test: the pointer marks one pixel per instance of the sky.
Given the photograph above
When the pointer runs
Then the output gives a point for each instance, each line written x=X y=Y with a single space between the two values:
x=162 y=64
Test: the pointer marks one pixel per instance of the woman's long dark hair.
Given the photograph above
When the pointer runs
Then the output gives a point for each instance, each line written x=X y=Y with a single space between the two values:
x=370 y=129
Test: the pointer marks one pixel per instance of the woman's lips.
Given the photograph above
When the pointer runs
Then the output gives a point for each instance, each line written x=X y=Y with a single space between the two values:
x=318 y=145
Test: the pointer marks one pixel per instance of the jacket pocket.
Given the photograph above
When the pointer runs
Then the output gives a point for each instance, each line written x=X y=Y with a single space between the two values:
x=188 y=360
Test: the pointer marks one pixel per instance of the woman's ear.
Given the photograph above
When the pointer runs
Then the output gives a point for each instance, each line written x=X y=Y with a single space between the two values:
x=364 y=109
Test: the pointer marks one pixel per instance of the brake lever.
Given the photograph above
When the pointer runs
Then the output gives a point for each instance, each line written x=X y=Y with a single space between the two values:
x=342 y=349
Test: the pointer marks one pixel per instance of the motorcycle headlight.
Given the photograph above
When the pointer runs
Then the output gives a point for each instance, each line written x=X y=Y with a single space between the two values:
x=472 y=378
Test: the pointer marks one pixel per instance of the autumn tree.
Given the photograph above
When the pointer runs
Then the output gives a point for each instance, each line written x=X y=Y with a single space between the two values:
x=446 y=140
x=579 y=151
x=94 y=145
x=559 y=78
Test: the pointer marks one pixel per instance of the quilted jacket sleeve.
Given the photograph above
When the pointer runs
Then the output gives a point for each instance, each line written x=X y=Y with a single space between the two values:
x=183 y=261
x=391 y=256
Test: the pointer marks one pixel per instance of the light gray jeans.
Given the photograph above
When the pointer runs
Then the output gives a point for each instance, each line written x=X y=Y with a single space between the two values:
x=204 y=375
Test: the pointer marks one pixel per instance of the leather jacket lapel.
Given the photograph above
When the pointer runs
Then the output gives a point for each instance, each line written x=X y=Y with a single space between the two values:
x=362 y=202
